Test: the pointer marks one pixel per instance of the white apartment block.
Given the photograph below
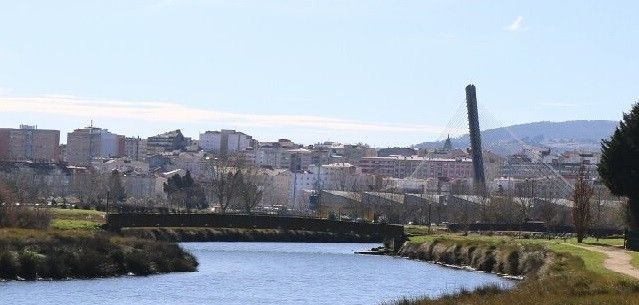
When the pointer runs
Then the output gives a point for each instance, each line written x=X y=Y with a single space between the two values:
x=225 y=142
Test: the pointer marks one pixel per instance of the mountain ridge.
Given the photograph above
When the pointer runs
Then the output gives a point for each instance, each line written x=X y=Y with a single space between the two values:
x=582 y=135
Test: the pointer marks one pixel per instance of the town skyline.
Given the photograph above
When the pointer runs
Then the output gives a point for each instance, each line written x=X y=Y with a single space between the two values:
x=312 y=71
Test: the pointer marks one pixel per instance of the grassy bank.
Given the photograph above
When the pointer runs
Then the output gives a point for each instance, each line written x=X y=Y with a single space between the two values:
x=489 y=256
x=77 y=219
x=556 y=272
x=54 y=254
x=241 y=235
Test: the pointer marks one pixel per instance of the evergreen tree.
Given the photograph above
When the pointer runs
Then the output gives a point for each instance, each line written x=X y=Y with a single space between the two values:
x=183 y=190
x=619 y=165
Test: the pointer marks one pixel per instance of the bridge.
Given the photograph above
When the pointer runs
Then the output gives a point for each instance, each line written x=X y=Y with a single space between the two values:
x=391 y=235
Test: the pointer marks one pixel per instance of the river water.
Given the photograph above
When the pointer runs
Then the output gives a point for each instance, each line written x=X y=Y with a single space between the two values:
x=262 y=273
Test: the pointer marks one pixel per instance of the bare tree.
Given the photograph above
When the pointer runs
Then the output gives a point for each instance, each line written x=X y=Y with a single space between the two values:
x=581 y=214
x=90 y=187
x=548 y=203
x=524 y=198
x=250 y=194
x=225 y=182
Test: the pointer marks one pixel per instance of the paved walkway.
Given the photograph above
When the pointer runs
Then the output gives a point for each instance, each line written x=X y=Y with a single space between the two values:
x=618 y=260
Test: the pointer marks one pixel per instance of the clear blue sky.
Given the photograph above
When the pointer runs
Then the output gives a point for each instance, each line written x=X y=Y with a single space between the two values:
x=381 y=72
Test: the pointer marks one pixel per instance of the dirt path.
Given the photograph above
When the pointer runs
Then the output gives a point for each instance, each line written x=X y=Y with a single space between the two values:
x=618 y=260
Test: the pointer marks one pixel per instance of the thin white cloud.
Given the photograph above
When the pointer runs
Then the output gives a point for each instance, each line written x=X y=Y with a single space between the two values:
x=516 y=25
x=70 y=106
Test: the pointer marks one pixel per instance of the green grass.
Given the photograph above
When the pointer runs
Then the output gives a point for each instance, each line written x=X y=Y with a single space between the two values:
x=484 y=238
x=77 y=214
x=635 y=259
x=601 y=242
x=416 y=230
x=75 y=219
x=66 y=224
x=593 y=261
x=576 y=276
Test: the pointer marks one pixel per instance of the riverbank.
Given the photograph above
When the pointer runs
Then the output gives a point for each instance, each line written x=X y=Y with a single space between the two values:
x=243 y=235
x=27 y=254
x=510 y=259
x=554 y=272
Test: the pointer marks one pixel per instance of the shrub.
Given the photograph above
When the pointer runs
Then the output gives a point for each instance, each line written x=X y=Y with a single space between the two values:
x=139 y=263
x=68 y=254
x=9 y=265
x=29 y=264
x=531 y=262
x=25 y=217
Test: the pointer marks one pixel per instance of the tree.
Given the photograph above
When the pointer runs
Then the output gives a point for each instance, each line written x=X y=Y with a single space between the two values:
x=184 y=191
x=172 y=188
x=116 y=190
x=195 y=197
x=523 y=200
x=547 y=205
x=619 y=165
x=250 y=194
x=7 y=195
x=581 y=215
x=90 y=187
x=225 y=183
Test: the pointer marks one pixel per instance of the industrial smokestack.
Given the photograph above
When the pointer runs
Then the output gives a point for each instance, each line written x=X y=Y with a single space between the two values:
x=475 y=139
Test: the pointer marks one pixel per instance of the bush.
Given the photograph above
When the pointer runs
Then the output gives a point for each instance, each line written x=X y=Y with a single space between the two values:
x=69 y=254
x=29 y=264
x=9 y=265
x=25 y=217
x=138 y=263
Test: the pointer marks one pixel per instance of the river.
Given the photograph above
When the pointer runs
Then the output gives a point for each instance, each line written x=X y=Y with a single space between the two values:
x=262 y=273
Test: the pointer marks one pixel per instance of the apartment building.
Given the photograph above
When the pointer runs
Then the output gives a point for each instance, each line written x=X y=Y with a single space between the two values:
x=135 y=148
x=168 y=141
x=28 y=143
x=225 y=142
x=85 y=144
x=417 y=167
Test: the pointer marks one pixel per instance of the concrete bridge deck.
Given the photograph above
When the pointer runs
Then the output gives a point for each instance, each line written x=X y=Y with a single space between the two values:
x=392 y=235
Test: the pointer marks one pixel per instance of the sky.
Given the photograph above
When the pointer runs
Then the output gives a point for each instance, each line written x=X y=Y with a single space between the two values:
x=387 y=73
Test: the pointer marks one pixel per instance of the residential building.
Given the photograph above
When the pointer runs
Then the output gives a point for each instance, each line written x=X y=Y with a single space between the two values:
x=225 y=142
x=335 y=176
x=122 y=165
x=417 y=167
x=283 y=154
x=84 y=144
x=333 y=152
x=396 y=151
x=135 y=148
x=168 y=141
x=28 y=143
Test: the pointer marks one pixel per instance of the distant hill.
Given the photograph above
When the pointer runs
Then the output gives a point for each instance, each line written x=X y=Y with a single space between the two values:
x=559 y=136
